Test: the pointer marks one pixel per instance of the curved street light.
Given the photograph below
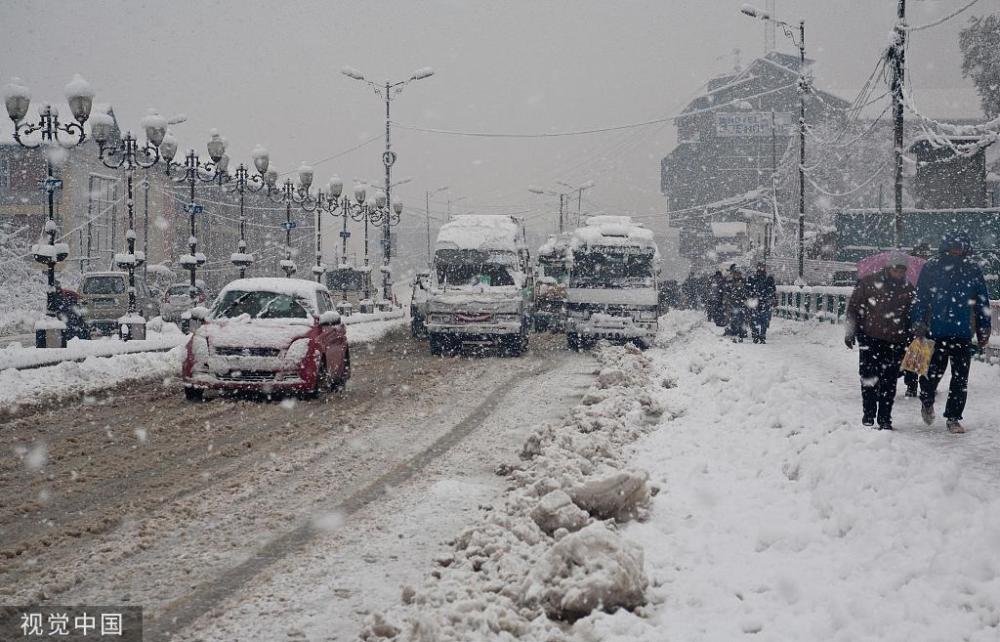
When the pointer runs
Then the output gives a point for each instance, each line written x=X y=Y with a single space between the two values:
x=387 y=91
x=243 y=182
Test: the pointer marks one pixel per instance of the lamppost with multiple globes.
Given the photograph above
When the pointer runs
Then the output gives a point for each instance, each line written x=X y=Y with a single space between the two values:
x=194 y=171
x=243 y=182
x=290 y=194
x=17 y=99
x=387 y=91
x=129 y=156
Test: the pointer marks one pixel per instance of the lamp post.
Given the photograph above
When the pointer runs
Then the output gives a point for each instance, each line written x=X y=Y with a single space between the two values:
x=579 y=189
x=17 y=99
x=244 y=181
x=562 y=200
x=194 y=171
x=430 y=255
x=129 y=156
x=387 y=91
x=290 y=194
x=802 y=88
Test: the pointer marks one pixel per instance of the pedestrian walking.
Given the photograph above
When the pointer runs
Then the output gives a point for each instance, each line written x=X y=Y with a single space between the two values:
x=952 y=307
x=878 y=319
x=762 y=297
x=714 y=303
x=737 y=306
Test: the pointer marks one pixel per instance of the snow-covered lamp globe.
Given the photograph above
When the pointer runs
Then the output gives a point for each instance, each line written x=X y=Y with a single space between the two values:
x=397 y=205
x=223 y=164
x=101 y=126
x=379 y=199
x=336 y=187
x=155 y=126
x=271 y=178
x=216 y=147
x=168 y=147
x=17 y=99
x=261 y=159
x=80 y=97
x=305 y=176
x=359 y=193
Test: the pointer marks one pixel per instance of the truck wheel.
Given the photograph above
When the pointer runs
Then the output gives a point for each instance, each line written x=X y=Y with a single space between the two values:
x=573 y=341
x=541 y=325
x=437 y=345
x=340 y=382
x=194 y=394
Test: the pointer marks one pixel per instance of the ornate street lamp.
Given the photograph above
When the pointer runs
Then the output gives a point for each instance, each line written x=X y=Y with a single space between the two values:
x=194 y=171
x=244 y=181
x=290 y=194
x=387 y=91
x=128 y=156
x=17 y=98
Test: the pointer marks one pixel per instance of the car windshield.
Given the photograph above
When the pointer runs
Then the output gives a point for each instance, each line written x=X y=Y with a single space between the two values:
x=612 y=270
x=260 y=304
x=104 y=285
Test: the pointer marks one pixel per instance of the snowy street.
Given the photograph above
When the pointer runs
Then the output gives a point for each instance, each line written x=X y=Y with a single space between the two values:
x=189 y=506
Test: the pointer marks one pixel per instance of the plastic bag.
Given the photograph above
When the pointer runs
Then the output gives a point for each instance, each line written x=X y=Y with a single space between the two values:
x=918 y=356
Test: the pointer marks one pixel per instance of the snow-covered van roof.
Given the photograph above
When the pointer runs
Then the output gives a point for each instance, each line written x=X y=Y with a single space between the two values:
x=488 y=233
x=617 y=231
x=555 y=246
x=296 y=287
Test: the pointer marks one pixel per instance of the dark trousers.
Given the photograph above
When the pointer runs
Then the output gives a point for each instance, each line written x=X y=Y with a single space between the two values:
x=760 y=321
x=738 y=322
x=910 y=379
x=959 y=352
x=879 y=370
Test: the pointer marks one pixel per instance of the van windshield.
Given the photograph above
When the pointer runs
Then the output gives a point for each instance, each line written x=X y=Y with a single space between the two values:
x=104 y=285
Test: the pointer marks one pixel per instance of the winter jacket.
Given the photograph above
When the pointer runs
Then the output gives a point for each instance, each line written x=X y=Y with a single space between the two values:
x=736 y=293
x=880 y=308
x=952 y=300
x=761 y=287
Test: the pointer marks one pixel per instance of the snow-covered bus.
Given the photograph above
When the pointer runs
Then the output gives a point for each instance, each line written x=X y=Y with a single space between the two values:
x=612 y=291
x=481 y=280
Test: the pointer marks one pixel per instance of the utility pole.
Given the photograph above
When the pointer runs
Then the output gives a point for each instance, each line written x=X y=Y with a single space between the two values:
x=427 y=195
x=802 y=151
x=579 y=205
x=897 y=52
x=562 y=204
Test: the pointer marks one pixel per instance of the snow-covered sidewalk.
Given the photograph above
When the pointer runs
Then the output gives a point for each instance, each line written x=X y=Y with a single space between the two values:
x=781 y=516
x=15 y=356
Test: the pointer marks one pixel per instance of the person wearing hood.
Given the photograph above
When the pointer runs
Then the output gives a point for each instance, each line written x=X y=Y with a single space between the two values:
x=952 y=308
x=878 y=318
x=763 y=296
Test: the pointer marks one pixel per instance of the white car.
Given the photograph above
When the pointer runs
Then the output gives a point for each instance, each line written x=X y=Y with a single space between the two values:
x=177 y=300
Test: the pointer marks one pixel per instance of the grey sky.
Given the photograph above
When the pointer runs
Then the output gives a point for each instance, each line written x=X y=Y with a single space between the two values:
x=269 y=73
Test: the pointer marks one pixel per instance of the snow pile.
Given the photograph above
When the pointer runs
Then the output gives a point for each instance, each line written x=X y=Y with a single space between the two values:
x=782 y=517
x=488 y=233
x=549 y=551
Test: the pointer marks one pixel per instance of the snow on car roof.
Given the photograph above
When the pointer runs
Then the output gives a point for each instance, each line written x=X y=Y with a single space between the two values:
x=618 y=231
x=494 y=232
x=296 y=287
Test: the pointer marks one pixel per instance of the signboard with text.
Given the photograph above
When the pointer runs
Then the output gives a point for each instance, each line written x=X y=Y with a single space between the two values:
x=751 y=123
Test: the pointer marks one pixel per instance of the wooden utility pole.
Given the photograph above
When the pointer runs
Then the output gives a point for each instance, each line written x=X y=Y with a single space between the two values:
x=898 y=52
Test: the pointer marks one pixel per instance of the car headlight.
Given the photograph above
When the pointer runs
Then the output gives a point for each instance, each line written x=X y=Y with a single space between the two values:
x=298 y=350
x=576 y=314
x=440 y=318
x=648 y=315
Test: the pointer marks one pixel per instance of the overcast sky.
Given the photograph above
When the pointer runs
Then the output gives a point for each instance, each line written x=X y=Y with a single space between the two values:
x=269 y=72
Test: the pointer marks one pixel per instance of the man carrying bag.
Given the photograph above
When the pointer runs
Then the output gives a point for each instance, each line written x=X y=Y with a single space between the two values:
x=878 y=317
x=952 y=307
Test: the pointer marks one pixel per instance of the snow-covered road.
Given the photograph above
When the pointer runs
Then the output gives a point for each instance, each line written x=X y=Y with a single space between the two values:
x=187 y=509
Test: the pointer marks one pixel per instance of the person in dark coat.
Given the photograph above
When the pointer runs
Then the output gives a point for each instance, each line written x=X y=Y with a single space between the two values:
x=737 y=306
x=952 y=307
x=762 y=295
x=878 y=318
x=713 y=304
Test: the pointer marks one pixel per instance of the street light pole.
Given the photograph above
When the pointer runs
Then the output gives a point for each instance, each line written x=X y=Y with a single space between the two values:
x=387 y=91
x=243 y=182
x=898 y=52
x=128 y=156
x=802 y=88
x=17 y=98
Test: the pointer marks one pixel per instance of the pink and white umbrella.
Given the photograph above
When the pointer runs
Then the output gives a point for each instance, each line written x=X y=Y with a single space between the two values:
x=875 y=262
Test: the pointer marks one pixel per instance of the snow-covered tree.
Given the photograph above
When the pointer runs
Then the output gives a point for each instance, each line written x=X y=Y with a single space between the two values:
x=979 y=43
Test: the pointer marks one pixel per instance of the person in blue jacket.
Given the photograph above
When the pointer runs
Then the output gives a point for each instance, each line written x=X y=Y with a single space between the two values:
x=952 y=307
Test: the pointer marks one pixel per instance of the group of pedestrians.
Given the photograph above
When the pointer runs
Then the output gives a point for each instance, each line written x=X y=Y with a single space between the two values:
x=738 y=303
x=949 y=305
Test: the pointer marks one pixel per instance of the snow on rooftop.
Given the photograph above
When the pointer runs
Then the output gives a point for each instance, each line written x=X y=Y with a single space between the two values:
x=295 y=287
x=498 y=233
x=617 y=231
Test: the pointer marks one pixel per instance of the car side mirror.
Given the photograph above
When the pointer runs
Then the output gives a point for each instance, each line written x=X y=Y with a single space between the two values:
x=329 y=318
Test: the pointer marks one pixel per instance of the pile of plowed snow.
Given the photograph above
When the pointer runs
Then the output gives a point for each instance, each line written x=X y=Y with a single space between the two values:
x=548 y=552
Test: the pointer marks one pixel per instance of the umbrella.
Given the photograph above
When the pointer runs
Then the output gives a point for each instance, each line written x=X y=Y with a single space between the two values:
x=875 y=262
